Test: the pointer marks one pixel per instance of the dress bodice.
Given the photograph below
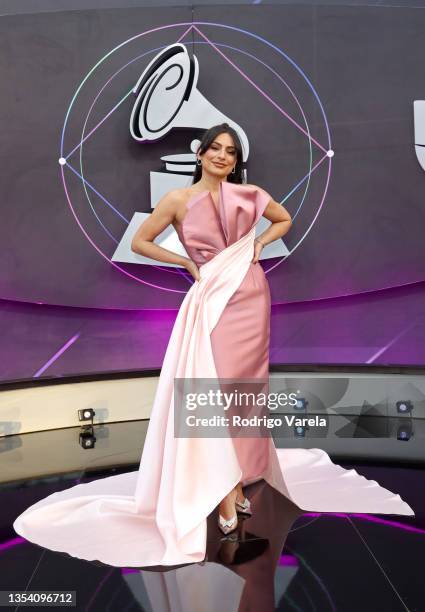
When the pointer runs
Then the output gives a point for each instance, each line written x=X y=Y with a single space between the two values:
x=207 y=229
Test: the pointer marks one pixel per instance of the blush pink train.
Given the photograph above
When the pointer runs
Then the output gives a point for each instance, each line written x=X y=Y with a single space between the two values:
x=157 y=515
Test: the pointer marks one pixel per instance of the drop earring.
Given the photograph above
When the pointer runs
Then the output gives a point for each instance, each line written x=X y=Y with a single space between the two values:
x=234 y=170
x=198 y=162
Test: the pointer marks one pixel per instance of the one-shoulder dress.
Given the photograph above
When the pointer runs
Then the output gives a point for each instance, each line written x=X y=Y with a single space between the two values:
x=157 y=514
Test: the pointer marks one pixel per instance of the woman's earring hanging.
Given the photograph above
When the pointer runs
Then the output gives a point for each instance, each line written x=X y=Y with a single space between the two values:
x=234 y=170
x=198 y=162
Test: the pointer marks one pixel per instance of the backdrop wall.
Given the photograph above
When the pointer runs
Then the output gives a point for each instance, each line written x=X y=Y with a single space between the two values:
x=319 y=78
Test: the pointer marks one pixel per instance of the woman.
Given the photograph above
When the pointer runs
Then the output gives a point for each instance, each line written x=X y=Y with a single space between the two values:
x=157 y=515
x=219 y=158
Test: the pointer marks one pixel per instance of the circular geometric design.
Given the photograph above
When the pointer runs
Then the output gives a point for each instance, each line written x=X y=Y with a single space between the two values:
x=327 y=151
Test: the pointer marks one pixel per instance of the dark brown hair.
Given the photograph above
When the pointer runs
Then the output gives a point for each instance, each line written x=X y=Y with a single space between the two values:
x=208 y=137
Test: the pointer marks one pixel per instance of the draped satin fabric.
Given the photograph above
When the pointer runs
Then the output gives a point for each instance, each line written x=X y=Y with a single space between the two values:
x=157 y=515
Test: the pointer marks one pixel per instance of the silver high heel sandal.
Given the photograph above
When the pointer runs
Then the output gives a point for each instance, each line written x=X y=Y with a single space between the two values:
x=244 y=507
x=228 y=526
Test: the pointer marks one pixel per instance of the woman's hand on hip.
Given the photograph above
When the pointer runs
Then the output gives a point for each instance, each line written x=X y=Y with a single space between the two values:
x=193 y=269
x=258 y=247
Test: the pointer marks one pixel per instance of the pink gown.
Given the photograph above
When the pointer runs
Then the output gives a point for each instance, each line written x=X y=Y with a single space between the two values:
x=157 y=515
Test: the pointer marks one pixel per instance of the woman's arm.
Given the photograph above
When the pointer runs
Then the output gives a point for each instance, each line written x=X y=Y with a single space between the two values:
x=162 y=216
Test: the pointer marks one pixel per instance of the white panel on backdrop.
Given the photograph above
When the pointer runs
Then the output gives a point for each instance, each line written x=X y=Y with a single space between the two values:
x=163 y=182
x=419 y=123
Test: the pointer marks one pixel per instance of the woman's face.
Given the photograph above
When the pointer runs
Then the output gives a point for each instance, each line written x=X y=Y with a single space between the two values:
x=220 y=158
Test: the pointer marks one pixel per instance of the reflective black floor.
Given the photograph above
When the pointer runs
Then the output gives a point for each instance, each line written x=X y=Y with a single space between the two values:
x=281 y=559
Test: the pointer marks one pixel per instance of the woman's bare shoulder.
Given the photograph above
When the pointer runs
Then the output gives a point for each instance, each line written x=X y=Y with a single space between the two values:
x=178 y=196
x=172 y=201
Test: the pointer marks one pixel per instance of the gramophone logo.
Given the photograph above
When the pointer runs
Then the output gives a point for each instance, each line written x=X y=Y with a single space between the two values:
x=167 y=98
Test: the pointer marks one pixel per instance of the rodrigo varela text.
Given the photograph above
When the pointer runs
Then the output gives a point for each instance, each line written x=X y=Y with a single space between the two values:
x=256 y=421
